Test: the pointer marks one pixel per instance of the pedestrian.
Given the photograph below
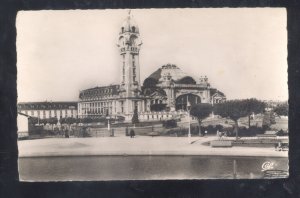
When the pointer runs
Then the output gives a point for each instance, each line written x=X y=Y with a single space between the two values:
x=66 y=133
x=205 y=133
x=276 y=146
x=126 y=131
x=132 y=134
x=222 y=135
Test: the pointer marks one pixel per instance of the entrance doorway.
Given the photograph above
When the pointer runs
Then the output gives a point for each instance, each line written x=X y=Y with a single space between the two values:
x=181 y=101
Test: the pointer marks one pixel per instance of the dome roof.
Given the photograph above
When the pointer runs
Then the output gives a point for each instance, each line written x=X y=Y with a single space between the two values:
x=175 y=72
x=129 y=25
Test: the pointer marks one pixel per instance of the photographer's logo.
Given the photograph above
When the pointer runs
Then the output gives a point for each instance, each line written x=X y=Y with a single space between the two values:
x=267 y=166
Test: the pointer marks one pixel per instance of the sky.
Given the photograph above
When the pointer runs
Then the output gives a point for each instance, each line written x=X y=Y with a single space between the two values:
x=242 y=51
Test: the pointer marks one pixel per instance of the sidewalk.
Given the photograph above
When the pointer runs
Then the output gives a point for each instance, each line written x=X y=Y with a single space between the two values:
x=140 y=145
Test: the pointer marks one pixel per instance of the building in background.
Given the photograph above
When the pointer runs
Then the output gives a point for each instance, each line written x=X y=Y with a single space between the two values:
x=45 y=110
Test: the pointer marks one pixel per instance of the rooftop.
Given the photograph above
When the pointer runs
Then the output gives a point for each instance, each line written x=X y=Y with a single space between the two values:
x=99 y=91
x=46 y=105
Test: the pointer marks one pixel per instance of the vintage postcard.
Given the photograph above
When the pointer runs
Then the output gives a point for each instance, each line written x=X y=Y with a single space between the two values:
x=152 y=94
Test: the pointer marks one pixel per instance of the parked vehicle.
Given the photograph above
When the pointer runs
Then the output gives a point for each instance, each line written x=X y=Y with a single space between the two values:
x=280 y=146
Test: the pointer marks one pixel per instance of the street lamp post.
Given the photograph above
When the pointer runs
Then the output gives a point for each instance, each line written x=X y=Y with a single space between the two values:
x=189 y=117
x=108 y=123
x=108 y=118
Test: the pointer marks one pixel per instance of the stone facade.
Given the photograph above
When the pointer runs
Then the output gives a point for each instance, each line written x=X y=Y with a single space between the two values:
x=171 y=86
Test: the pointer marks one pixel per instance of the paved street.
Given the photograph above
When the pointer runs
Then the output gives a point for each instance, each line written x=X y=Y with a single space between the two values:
x=140 y=145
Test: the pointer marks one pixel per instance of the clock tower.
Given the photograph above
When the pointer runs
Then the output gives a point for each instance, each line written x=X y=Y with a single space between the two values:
x=129 y=44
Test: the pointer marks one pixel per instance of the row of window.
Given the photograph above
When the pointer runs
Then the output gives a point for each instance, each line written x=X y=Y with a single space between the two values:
x=156 y=101
x=96 y=107
x=96 y=104
x=46 y=107
x=51 y=113
x=101 y=107
x=103 y=97
x=97 y=111
x=101 y=91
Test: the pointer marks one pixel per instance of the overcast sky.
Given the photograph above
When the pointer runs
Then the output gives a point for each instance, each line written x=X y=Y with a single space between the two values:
x=243 y=52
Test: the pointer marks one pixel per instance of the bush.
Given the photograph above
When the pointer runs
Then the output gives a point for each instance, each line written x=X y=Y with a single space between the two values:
x=219 y=127
x=245 y=132
x=178 y=132
x=212 y=130
x=194 y=130
x=82 y=132
x=268 y=120
x=169 y=123
x=35 y=130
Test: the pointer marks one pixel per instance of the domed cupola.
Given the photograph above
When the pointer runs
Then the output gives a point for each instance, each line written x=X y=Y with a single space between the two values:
x=129 y=25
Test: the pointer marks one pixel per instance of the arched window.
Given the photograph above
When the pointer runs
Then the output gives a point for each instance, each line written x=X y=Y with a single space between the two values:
x=133 y=29
x=122 y=29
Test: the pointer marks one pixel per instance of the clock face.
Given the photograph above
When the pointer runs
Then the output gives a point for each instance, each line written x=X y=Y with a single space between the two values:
x=133 y=40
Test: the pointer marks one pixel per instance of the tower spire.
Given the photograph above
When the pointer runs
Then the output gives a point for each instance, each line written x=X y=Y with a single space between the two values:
x=129 y=44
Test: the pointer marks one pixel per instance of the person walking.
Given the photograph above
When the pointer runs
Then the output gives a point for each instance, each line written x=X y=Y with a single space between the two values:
x=67 y=133
x=132 y=134
x=126 y=132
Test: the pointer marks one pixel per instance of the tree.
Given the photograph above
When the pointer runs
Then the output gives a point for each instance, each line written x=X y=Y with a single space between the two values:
x=201 y=111
x=52 y=121
x=33 y=120
x=169 y=123
x=254 y=106
x=268 y=120
x=62 y=120
x=135 y=117
x=282 y=109
x=43 y=121
x=70 y=120
x=87 y=120
x=78 y=120
x=235 y=109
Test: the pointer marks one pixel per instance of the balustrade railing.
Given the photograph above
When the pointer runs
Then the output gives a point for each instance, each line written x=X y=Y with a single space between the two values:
x=185 y=86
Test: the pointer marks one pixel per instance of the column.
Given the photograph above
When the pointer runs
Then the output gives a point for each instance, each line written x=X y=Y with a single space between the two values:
x=143 y=105
x=137 y=63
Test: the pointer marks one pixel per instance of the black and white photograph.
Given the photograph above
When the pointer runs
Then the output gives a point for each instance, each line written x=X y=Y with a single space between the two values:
x=152 y=94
